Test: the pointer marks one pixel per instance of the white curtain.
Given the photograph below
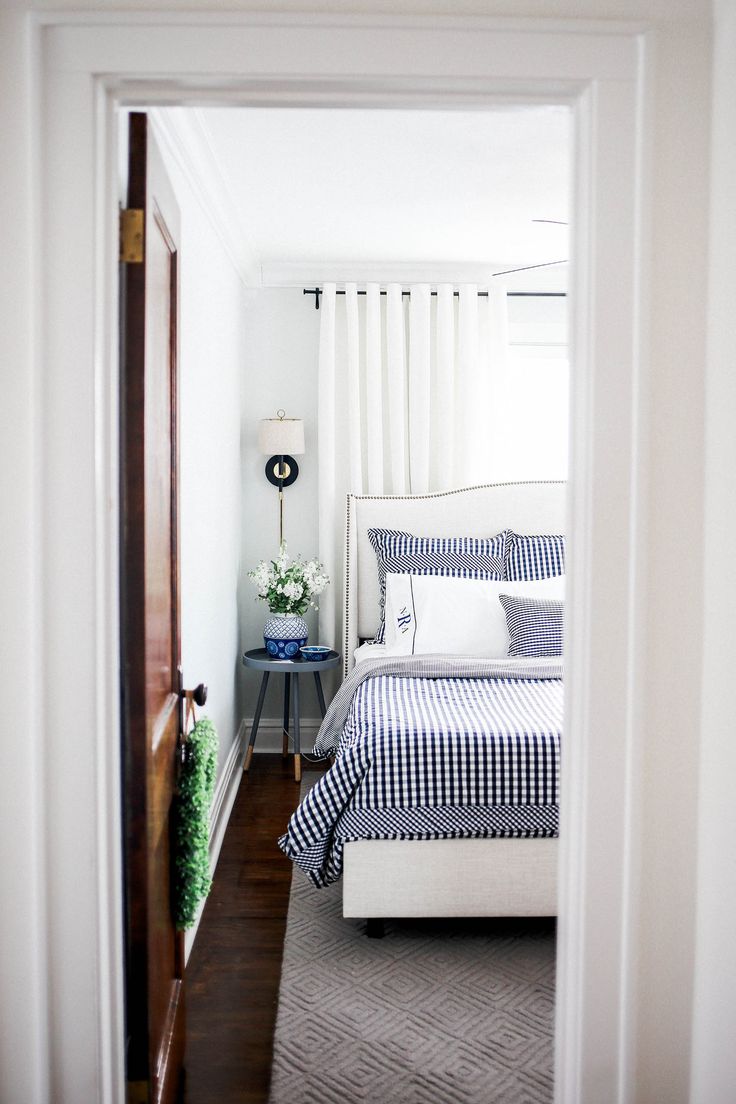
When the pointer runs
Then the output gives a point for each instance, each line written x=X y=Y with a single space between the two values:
x=406 y=387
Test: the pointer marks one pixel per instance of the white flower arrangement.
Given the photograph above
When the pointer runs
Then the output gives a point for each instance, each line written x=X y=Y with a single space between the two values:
x=289 y=585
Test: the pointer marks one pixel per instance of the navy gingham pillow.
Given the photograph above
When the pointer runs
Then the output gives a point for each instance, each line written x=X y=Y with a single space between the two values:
x=461 y=557
x=535 y=625
x=535 y=556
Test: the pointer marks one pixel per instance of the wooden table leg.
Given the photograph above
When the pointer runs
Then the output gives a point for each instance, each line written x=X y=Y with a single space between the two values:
x=285 y=731
x=297 y=733
x=256 y=720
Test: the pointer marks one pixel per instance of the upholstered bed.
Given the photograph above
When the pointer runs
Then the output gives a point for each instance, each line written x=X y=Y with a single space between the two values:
x=496 y=855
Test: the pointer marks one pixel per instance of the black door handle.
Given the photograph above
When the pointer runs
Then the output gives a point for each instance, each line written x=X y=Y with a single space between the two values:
x=199 y=694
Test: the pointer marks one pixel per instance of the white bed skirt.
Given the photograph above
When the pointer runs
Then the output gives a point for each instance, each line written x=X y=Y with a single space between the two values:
x=455 y=877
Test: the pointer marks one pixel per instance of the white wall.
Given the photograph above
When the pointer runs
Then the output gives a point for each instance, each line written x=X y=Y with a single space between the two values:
x=279 y=371
x=23 y=965
x=663 y=888
x=714 y=1054
x=212 y=343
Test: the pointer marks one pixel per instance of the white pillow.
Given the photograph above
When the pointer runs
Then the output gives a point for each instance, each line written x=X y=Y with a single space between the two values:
x=370 y=651
x=436 y=613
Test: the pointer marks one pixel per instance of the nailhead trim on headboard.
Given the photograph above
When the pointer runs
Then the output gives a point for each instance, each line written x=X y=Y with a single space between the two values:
x=346 y=574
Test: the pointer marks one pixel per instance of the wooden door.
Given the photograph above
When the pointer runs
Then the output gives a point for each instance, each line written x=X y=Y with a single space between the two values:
x=150 y=622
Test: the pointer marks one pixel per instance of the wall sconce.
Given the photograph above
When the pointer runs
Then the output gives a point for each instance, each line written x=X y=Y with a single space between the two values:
x=280 y=438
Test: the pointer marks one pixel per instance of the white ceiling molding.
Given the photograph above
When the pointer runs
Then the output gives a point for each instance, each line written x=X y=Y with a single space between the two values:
x=183 y=136
x=307 y=274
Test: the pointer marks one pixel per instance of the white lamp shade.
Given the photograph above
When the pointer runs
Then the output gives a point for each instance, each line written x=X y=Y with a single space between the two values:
x=281 y=436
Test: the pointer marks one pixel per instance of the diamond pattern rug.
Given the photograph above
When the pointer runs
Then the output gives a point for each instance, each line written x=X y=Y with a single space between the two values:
x=437 y=1012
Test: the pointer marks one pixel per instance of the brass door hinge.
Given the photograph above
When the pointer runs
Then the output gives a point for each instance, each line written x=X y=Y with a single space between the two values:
x=137 y=1092
x=131 y=235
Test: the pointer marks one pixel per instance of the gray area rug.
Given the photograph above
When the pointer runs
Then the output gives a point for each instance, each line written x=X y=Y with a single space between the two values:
x=437 y=1012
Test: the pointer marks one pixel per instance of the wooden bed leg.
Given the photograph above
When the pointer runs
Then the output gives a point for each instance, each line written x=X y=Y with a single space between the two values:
x=374 y=927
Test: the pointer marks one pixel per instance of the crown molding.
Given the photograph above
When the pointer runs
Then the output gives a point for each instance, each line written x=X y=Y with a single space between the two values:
x=183 y=135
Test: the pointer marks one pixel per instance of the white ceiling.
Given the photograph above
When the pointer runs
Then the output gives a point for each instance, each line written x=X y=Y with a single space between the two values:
x=437 y=189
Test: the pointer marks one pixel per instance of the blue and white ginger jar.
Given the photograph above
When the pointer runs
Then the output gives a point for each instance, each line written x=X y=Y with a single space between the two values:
x=284 y=634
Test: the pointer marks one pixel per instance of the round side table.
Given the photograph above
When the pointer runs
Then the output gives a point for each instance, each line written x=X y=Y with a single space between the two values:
x=260 y=660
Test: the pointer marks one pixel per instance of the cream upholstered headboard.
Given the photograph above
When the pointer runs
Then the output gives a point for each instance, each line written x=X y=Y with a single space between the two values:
x=471 y=511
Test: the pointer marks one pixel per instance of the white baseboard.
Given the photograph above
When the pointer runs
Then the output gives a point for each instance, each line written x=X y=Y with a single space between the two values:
x=222 y=804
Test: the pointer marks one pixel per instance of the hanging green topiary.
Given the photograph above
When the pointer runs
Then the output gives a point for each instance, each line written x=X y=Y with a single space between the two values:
x=192 y=880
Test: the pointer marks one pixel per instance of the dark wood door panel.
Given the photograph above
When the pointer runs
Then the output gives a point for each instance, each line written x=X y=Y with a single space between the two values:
x=150 y=627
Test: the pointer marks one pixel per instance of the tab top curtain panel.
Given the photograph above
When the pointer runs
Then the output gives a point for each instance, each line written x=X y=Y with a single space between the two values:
x=407 y=386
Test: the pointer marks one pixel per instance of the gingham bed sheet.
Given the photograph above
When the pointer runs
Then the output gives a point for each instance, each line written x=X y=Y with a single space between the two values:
x=426 y=756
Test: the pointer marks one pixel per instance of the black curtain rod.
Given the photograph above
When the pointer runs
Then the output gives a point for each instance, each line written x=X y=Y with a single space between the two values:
x=316 y=292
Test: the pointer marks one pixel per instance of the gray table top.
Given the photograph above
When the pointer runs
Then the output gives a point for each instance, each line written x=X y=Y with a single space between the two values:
x=260 y=660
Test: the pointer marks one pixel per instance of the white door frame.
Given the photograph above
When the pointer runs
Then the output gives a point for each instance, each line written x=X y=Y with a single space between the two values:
x=89 y=65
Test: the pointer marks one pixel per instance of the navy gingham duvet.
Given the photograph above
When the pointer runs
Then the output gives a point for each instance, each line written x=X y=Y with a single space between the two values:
x=433 y=747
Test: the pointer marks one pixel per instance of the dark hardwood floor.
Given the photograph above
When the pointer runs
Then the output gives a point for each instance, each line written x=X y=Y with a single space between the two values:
x=233 y=973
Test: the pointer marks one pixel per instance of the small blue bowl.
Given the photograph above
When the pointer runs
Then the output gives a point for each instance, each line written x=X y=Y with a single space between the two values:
x=315 y=652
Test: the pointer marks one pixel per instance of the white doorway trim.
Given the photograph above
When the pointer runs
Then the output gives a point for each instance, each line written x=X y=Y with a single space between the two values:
x=89 y=66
